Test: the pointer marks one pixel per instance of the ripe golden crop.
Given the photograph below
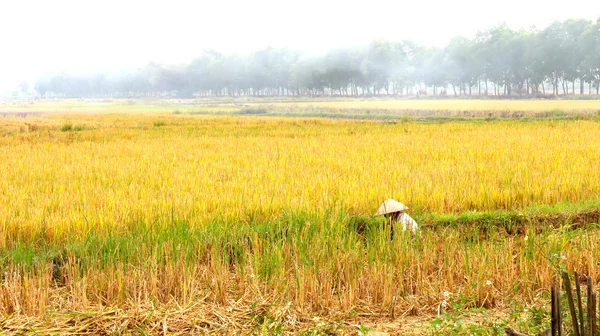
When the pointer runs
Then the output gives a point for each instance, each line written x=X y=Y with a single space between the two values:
x=121 y=169
x=216 y=216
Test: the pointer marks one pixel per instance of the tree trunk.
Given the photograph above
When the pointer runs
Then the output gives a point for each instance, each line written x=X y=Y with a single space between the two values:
x=581 y=89
x=454 y=88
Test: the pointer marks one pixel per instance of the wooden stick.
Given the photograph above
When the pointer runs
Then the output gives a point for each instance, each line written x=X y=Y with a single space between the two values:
x=591 y=305
x=558 y=311
x=597 y=332
x=593 y=316
x=569 y=291
x=580 y=306
x=596 y=296
x=554 y=316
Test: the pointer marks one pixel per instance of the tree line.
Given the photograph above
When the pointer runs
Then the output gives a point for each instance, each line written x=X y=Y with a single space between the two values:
x=561 y=59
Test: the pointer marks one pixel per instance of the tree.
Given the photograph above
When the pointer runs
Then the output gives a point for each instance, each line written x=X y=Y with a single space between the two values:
x=435 y=69
x=523 y=61
x=24 y=88
x=575 y=56
x=460 y=62
x=590 y=48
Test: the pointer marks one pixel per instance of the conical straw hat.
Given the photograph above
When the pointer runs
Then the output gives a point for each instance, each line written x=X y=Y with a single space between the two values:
x=390 y=206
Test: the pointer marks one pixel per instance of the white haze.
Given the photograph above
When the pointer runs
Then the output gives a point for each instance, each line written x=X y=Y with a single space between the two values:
x=39 y=36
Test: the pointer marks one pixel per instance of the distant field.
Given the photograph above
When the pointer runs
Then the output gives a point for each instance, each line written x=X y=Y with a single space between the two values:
x=115 y=106
x=144 y=219
x=336 y=108
x=452 y=105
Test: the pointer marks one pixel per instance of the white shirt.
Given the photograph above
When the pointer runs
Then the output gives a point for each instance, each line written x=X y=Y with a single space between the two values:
x=407 y=222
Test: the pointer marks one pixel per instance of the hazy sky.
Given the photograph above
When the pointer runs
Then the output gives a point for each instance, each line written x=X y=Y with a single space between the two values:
x=80 y=35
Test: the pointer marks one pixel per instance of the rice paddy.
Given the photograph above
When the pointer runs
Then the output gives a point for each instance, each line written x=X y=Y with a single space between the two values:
x=323 y=106
x=142 y=220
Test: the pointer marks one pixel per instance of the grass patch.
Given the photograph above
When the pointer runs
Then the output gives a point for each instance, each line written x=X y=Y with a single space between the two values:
x=253 y=111
x=67 y=127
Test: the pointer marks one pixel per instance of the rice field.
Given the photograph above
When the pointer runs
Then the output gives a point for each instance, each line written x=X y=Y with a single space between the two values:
x=142 y=221
x=331 y=107
x=540 y=105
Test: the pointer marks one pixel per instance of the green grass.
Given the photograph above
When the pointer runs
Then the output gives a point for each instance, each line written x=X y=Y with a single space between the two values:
x=66 y=127
x=333 y=232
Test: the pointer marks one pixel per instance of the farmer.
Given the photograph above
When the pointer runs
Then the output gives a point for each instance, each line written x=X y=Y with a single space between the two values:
x=394 y=210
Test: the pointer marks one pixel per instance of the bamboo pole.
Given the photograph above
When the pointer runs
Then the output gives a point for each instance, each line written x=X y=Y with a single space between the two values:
x=569 y=291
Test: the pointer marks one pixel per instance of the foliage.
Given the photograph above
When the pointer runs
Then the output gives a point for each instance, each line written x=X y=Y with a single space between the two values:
x=523 y=62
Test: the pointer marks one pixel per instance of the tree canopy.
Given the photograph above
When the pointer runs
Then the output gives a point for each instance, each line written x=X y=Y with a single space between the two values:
x=562 y=59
